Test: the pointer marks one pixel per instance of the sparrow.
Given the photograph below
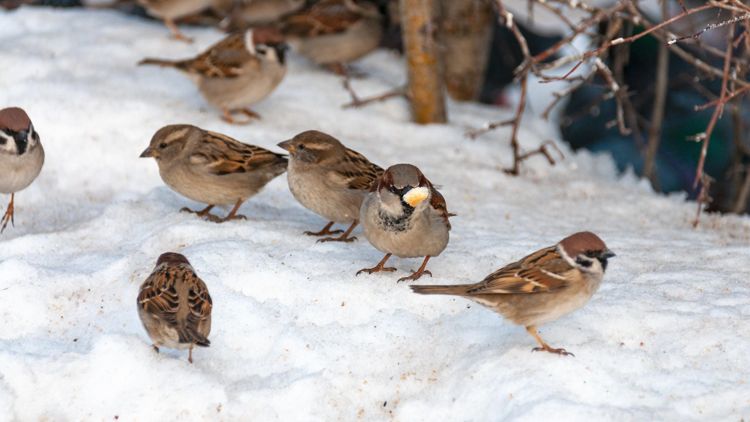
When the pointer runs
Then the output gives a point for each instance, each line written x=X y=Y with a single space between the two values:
x=333 y=33
x=212 y=168
x=170 y=10
x=174 y=305
x=541 y=287
x=404 y=215
x=21 y=156
x=329 y=179
x=234 y=73
x=246 y=13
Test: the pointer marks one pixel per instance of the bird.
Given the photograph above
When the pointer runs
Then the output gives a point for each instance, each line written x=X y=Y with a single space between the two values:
x=212 y=168
x=234 y=73
x=170 y=10
x=174 y=305
x=333 y=33
x=248 y=13
x=540 y=287
x=21 y=157
x=329 y=179
x=404 y=215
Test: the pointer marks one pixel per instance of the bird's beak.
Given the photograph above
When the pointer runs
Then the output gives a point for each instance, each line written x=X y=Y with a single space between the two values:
x=415 y=196
x=148 y=152
x=287 y=145
x=608 y=254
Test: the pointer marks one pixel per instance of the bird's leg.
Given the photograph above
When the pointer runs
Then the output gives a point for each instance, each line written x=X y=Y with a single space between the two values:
x=176 y=34
x=344 y=237
x=544 y=346
x=156 y=348
x=378 y=268
x=419 y=272
x=338 y=68
x=202 y=213
x=9 y=214
x=228 y=116
x=190 y=354
x=232 y=214
x=326 y=230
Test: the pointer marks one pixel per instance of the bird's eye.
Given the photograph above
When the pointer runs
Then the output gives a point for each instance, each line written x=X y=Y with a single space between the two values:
x=301 y=146
x=162 y=145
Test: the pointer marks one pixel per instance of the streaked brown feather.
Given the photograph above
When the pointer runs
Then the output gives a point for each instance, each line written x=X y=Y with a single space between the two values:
x=542 y=271
x=223 y=155
x=228 y=58
x=359 y=172
x=322 y=18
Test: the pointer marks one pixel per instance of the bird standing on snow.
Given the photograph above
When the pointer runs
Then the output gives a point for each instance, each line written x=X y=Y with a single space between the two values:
x=405 y=216
x=169 y=10
x=541 y=287
x=174 y=305
x=21 y=156
x=234 y=73
x=212 y=168
x=329 y=179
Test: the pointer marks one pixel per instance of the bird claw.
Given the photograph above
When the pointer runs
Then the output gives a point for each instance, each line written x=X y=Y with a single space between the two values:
x=323 y=232
x=216 y=219
x=559 y=351
x=415 y=276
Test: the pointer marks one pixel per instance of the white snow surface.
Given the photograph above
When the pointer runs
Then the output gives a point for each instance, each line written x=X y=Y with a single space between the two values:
x=296 y=336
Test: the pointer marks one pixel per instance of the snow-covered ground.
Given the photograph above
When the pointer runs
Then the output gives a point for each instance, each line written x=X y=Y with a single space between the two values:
x=296 y=336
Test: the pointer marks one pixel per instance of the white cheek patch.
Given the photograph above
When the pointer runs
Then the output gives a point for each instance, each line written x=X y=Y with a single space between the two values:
x=7 y=143
x=415 y=196
x=249 y=44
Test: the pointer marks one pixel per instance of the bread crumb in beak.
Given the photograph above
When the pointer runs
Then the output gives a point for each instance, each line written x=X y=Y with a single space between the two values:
x=415 y=196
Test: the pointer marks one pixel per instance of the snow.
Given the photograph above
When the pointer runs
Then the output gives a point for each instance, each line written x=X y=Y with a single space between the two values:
x=296 y=336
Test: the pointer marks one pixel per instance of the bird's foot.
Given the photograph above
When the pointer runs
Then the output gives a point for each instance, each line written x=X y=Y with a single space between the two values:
x=549 y=349
x=415 y=276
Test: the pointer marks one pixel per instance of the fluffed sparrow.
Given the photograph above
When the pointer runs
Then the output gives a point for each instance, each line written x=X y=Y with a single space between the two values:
x=329 y=179
x=21 y=156
x=174 y=305
x=334 y=32
x=234 y=73
x=212 y=168
x=406 y=216
x=170 y=10
x=247 y=13
x=541 y=287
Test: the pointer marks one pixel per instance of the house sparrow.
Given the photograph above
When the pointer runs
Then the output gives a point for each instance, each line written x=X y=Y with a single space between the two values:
x=541 y=287
x=329 y=179
x=333 y=33
x=405 y=215
x=212 y=168
x=21 y=156
x=170 y=10
x=174 y=305
x=234 y=73
x=247 y=13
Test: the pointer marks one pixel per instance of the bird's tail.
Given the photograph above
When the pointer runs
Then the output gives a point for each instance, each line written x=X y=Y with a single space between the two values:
x=160 y=62
x=440 y=290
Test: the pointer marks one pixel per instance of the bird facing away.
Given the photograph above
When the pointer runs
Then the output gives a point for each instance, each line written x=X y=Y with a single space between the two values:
x=541 y=287
x=329 y=179
x=174 y=305
x=406 y=216
x=21 y=157
x=333 y=33
x=212 y=168
x=234 y=73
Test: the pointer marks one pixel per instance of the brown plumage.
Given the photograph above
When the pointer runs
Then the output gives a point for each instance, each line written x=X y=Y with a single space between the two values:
x=234 y=73
x=406 y=216
x=329 y=179
x=212 y=168
x=540 y=287
x=174 y=305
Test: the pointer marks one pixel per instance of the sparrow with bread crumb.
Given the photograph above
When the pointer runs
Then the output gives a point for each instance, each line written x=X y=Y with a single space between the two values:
x=404 y=215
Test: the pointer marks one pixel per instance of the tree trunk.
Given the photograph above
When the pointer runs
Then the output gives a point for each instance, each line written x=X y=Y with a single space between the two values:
x=419 y=27
x=466 y=34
